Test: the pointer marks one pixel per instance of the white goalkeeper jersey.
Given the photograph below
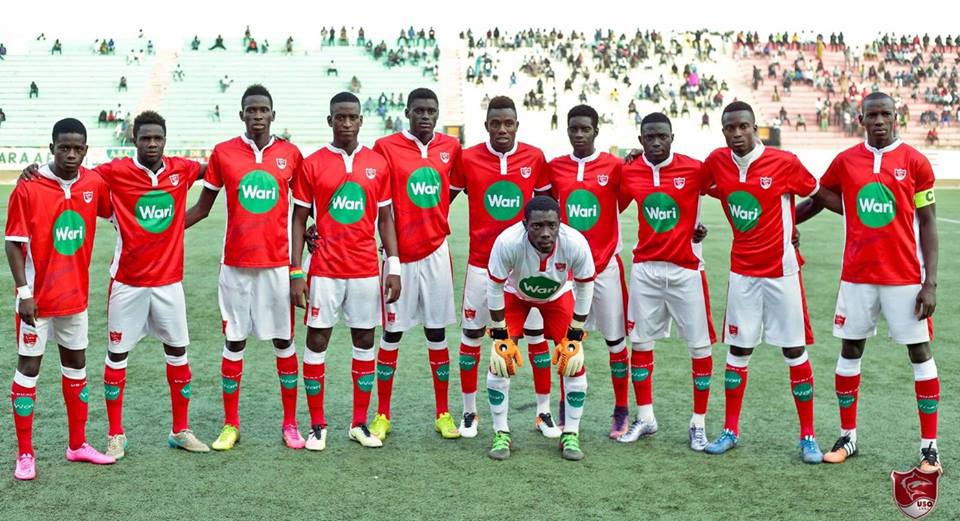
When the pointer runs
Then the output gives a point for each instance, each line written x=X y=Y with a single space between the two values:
x=517 y=267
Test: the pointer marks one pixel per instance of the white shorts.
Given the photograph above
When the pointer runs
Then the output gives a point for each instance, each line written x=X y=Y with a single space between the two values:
x=360 y=300
x=69 y=331
x=660 y=291
x=773 y=308
x=607 y=313
x=476 y=314
x=255 y=301
x=426 y=296
x=859 y=305
x=134 y=312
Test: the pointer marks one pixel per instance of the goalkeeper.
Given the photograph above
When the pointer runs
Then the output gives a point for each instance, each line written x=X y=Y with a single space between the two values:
x=539 y=263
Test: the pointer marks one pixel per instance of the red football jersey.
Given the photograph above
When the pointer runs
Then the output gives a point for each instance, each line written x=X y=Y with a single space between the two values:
x=498 y=186
x=420 y=176
x=758 y=201
x=588 y=190
x=258 y=199
x=668 y=200
x=56 y=222
x=878 y=189
x=345 y=192
x=149 y=211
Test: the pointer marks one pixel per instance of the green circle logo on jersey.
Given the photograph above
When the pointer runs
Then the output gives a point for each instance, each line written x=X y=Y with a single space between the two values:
x=661 y=212
x=423 y=187
x=495 y=396
x=539 y=287
x=348 y=203
x=68 y=232
x=618 y=370
x=541 y=360
x=230 y=385
x=154 y=211
x=876 y=206
x=365 y=383
x=583 y=210
x=576 y=398
x=258 y=192
x=467 y=362
x=927 y=406
x=744 y=210
x=701 y=383
x=639 y=374
x=23 y=406
x=384 y=372
x=845 y=400
x=443 y=372
x=312 y=387
x=503 y=200
x=187 y=391
x=288 y=381
x=111 y=392
x=731 y=380
x=803 y=392
x=84 y=394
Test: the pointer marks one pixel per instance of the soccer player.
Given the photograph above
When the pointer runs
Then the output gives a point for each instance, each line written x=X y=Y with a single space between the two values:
x=587 y=183
x=668 y=280
x=765 y=299
x=499 y=176
x=889 y=265
x=50 y=229
x=421 y=161
x=348 y=188
x=532 y=264
x=256 y=168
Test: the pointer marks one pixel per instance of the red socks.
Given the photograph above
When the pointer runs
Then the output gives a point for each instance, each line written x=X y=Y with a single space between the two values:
x=231 y=369
x=927 y=386
x=801 y=385
x=362 y=369
x=178 y=376
x=24 y=399
x=440 y=369
x=847 y=382
x=701 y=372
x=619 y=366
x=313 y=373
x=641 y=372
x=287 y=371
x=469 y=365
x=73 y=382
x=734 y=384
x=539 y=354
x=386 y=368
x=114 y=382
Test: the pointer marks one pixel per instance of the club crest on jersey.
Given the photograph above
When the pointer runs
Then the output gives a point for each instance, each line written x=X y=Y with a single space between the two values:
x=445 y=157
x=603 y=179
x=900 y=173
x=469 y=314
x=766 y=182
x=87 y=197
x=733 y=329
x=915 y=492
x=314 y=312
x=630 y=326
x=281 y=163
x=526 y=171
x=370 y=172
x=29 y=339
x=839 y=320
x=679 y=182
x=175 y=179
x=391 y=317
x=561 y=266
x=116 y=337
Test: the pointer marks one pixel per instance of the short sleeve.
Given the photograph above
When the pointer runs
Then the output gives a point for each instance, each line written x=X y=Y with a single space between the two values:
x=583 y=268
x=543 y=174
x=191 y=169
x=458 y=178
x=18 y=224
x=385 y=187
x=104 y=205
x=801 y=181
x=922 y=173
x=213 y=179
x=499 y=266
x=105 y=170
x=708 y=182
x=831 y=178
x=297 y=162
x=302 y=188
x=624 y=193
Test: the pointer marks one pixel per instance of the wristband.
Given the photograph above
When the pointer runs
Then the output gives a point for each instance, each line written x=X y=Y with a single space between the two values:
x=297 y=273
x=576 y=324
x=24 y=293
x=393 y=265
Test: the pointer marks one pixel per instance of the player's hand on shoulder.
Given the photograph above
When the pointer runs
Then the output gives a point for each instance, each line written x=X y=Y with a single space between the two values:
x=699 y=233
x=28 y=311
x=926 y=301
x=31 y=172
x=392 y=288
x=310 y=238
x=633 y=155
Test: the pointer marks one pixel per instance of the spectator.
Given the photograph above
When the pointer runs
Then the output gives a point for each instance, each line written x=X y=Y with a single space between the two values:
x=775 y=97
x=3 y=116
x=111 y=117
x=801 y=122
x=225 y=83
x=178 y=73
x=288 y=48
x=104 y=50
x=215 y=115
x=102 y=119
x=34 y=90
x=150 y=48
x=932 y=137
x=783 y=116
x=132 y=57
x=264 y=47
x=354 y=85
x=218 y=44
x=252 y=46
x=554 y=121
x=111 y=46
x=3 y=51
x=195 y=44
x=285 y=135
x=332 y=69
x=122 y=86
x=705 y=121
x=57 y=47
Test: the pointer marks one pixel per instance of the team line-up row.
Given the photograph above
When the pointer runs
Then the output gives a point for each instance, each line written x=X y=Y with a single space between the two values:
x=543 y=235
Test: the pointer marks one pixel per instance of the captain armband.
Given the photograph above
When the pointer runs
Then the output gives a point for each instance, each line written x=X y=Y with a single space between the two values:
x=924 y=198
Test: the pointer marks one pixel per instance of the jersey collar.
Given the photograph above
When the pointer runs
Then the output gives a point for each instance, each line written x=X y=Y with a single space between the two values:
x=47 y=172
x=154 y=178
x=257 y=153
x=879 y=152
x=657 y=167
x=347 y=158
x=582 y=162
x=743 y=163
x=503 y=157
x=424 y=147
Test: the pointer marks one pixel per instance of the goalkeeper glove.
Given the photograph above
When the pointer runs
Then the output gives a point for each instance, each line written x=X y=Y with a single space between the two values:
x=504 y=355
x=568 y=356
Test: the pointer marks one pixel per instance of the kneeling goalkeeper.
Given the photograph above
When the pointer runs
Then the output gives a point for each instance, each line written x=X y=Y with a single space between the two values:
x=543 y=264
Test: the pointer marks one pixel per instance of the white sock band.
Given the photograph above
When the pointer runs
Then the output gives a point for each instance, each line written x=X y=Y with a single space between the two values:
x=618 y=347
x=700 y=352
x=925 y=370
x=473 y=342
x=848 y=366
x=738 y=361
x=794 y=362
x=122 y=364
x=388 y=346
x=73 y=374
x=437 y=346
x=176 y=360
x=363 y=354
x=286 y=352
x=538 y=339
x=233 y=356
x=313 y=358
x=643 y=346
x=25 y=381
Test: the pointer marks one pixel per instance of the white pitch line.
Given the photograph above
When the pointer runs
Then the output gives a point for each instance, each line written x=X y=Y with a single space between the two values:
x=951 y=221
